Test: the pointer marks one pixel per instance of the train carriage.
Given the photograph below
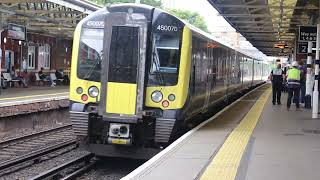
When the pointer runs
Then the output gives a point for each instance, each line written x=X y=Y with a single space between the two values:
x=139 y=75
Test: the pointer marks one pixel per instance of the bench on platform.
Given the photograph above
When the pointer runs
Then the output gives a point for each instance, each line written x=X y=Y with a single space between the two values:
x=7 y=77
x=38 y=80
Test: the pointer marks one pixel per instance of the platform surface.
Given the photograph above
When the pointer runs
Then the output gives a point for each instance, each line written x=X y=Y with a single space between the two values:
x=283 y=145
x=16 y=96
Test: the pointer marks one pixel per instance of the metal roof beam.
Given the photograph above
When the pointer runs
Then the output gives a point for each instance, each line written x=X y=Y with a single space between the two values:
x=74 y=6
x=252 y=22
x=263 y=6
x=28 y=15
x=259 y=32
x=246 y=15
x=48 y=12
x=266 y=40
x=255 y=27
x=21 y=1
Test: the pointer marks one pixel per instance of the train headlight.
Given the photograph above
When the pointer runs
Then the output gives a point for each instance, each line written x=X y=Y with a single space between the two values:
x=115 y=130
x=79 y=90
x=171 y=97
x=93 y=91
x=123 y=130
x=156 y=96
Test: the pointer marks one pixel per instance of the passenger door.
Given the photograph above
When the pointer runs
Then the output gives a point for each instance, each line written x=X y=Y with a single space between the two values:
x=208 y=76
x=123 y=65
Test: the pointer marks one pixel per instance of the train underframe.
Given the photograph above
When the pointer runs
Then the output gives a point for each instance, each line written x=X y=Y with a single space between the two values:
x=121 y=136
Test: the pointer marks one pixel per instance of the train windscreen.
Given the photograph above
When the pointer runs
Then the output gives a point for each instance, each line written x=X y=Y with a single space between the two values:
x=90 y=51
x=165 y=60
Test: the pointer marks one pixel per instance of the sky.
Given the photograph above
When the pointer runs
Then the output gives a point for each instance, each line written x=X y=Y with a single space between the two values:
x=215 y=22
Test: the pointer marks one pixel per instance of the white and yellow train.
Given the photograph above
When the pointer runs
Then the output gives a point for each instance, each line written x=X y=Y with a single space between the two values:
x=139 y=75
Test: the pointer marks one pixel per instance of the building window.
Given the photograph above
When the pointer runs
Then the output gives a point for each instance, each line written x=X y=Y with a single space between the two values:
x=31 y=57
x=44 y=56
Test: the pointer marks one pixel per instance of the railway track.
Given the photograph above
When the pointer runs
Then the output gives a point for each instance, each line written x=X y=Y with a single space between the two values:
x=70 y=169
x=23 y=151
x=15 y=147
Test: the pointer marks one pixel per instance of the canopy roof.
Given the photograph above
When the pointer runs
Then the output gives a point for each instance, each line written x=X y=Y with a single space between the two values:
x=268 y=22
x=53 y=17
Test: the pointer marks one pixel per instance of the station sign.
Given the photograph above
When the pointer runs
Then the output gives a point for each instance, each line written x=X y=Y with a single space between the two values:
x=303 y=47
x=17 y=32
x=307 y=33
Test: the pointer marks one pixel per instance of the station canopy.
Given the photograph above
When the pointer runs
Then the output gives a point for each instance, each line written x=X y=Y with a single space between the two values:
x=268 y=23
x=52 y=17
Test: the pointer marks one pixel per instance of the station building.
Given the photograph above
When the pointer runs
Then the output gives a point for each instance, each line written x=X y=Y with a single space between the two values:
x=38 y=33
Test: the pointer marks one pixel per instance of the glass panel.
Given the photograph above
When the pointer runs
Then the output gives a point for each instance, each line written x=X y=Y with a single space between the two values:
x=166 y=59
x=124 y=56
x=31 y=57
x=167 y=51
x=90 y=51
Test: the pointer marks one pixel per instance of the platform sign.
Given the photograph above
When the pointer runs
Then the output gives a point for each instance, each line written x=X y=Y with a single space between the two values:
x=307 y=33
x=17 y=32
x=303 y=47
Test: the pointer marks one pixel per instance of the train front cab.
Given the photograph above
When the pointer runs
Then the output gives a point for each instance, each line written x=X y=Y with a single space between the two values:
x=139 y=100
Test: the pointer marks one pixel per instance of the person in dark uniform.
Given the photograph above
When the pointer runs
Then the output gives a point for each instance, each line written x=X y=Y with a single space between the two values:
x=303 y=71
x=277 y=76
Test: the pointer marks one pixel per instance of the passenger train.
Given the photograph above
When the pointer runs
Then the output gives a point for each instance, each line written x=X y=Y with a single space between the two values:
x=139 y=75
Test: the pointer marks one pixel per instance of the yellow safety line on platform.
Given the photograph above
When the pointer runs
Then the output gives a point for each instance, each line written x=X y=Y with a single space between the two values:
x=224 y=165
x=22 y=97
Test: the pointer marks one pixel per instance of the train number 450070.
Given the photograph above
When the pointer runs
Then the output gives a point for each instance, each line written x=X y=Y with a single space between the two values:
x=167 y=28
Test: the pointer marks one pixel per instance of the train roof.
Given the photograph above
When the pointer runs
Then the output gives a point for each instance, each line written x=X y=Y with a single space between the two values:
x=143 y=8
x=203 y=33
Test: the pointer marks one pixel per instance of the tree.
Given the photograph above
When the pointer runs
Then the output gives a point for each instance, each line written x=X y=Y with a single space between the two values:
x=154 y=3
x=193 y=18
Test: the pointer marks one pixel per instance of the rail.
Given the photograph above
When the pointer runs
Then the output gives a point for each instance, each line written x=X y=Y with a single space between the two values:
x=56 y=170
x=11 y=163
x=30 y=136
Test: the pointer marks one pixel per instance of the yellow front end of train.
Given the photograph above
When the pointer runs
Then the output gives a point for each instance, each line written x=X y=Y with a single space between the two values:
x=129 y=78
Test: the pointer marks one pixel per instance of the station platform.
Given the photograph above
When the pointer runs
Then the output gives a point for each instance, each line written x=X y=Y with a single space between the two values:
x=250 y=139
x=16 y=101
x=13 y=96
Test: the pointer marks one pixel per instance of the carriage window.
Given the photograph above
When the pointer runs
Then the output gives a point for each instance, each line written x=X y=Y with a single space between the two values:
x=124 y=54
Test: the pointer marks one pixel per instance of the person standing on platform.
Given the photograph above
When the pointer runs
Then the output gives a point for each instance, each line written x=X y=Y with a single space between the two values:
x=293 y=77
x=303 y=70
x=277 y=76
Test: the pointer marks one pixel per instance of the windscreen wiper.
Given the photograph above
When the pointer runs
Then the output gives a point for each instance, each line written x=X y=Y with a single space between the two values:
x=86 y=77
x=156 y=61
